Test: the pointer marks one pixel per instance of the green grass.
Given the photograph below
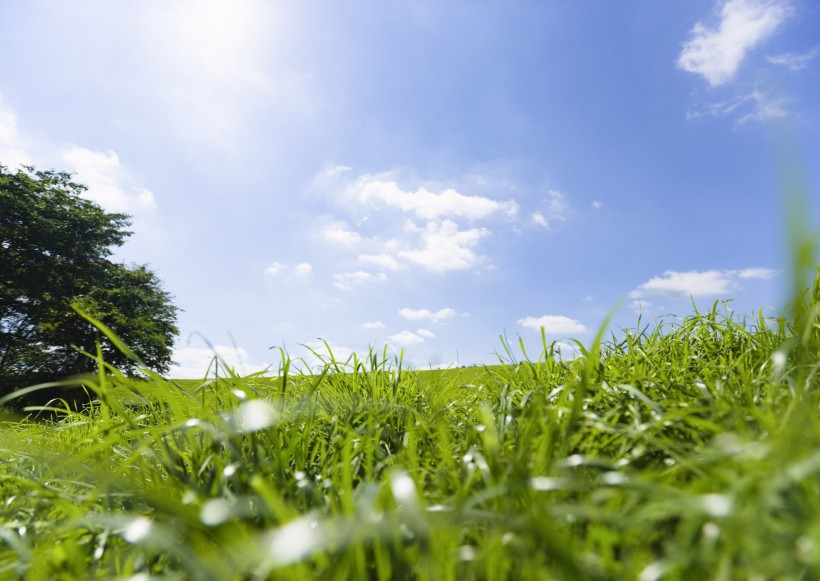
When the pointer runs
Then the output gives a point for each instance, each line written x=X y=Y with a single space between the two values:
x=673 y=451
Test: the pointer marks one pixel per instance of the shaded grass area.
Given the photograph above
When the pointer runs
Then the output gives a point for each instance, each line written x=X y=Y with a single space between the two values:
x=670 y=451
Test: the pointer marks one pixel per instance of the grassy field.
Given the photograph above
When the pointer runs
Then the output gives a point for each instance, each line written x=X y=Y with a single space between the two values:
x=679 y=450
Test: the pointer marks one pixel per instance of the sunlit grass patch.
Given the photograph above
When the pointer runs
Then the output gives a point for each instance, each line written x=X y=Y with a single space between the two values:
x=665 y=451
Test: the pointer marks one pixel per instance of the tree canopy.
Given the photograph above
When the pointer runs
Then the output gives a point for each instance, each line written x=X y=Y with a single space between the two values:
x=55 y=253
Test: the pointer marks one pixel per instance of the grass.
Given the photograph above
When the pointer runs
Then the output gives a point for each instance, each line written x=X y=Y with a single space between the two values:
x=674 y=451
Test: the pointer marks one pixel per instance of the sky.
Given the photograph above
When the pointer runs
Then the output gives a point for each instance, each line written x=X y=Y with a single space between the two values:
x=426 y=175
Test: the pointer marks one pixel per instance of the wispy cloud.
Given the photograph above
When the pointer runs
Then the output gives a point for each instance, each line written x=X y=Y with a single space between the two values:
x=373 y=325
x=699 y=283
x=757 y=105
x=756 y=273
x=795 y=62
x=340 y=233
x=346 y=281
x=301 y=270
x=405 y=338
x=108 y=182
x=554 y=324
x=385 y=261
x=555 y=210
x=717 y=49
x=426 y=314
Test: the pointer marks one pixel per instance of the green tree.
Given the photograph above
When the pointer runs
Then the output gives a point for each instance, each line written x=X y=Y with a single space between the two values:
x=55 y=250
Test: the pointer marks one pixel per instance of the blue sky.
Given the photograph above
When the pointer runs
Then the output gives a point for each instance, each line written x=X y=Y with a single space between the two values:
x=426 y=174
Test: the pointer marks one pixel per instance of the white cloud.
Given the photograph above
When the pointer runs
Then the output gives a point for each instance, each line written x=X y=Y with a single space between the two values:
x=426 y=204
x=716 y=51
x=757 y=105
x=301 y=270
x=335 y=171
x=757 y=273
x=339 y=233
x=700 y=283
x=445 y=247
x=556 y=210
x=692 y=283
x=410 y=228
x=405 y=338
x=795 y=62
x=347 y=280
x=373 y=325
x=12 y=150
x=553 y=324
x=276 y=268
x=426 y=314
x=425 y=333
x=107 y=180
x=765 y=107
x=194 y=362
x=385 y=261
x=556 y=205
x=597 y=204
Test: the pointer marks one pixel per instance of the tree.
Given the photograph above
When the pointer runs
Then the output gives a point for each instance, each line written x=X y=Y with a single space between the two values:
x=55 y=249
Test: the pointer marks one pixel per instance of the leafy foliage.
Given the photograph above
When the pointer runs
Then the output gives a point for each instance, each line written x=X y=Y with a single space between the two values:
x=55 y=249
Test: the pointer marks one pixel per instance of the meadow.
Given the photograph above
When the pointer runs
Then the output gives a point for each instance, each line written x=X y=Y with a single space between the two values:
x=682 y=448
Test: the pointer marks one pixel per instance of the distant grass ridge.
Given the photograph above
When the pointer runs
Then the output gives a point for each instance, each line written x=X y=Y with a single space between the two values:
x=672 y=450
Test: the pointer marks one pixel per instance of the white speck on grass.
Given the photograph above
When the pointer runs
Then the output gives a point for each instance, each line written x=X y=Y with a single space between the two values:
x=717 y=505
x=255 y=415
x=711 y=531
x=779 y=362
x=574 y=460
x=403 y=487
x=466 y=553
x=614 y=478
x=137 y=530
x=547 y=483
x=215 y=512
x=295 y=541
x=653 y=571
x=805 y=547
